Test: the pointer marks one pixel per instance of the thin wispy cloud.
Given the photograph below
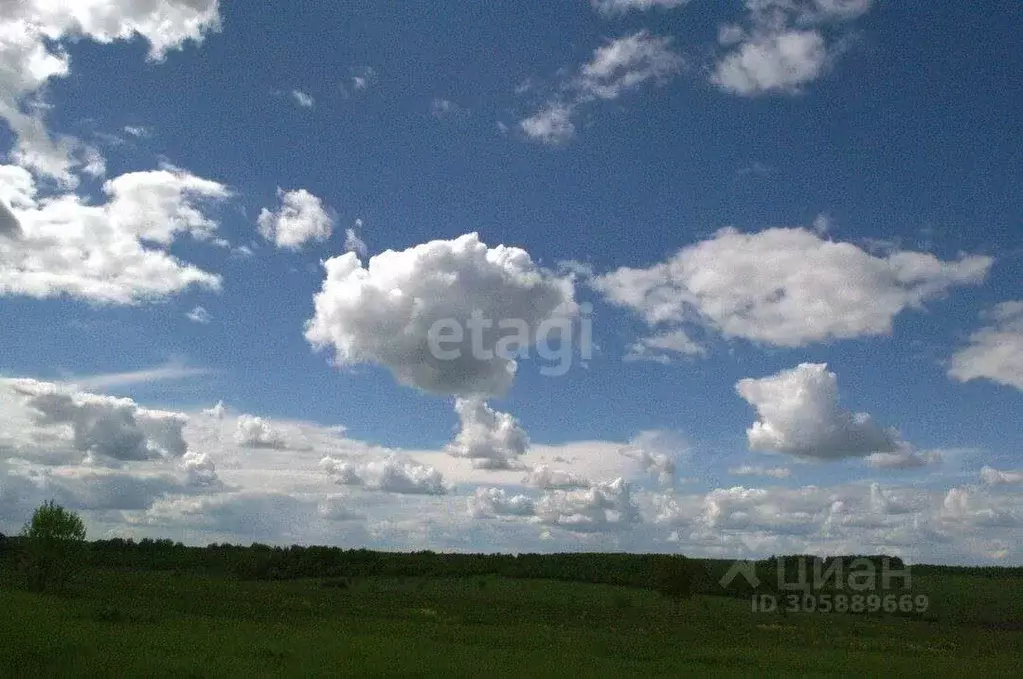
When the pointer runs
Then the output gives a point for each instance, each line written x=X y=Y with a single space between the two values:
x=168 y=372
x=617 y=67
x=302 y=99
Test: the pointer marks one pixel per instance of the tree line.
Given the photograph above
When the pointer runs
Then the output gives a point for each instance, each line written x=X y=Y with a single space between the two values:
x=52 y=549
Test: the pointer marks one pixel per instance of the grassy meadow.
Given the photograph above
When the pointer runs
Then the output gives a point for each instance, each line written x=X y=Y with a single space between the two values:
x=132 y=623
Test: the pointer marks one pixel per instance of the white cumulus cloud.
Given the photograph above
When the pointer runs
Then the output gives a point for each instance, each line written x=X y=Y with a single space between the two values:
x=111 y=252
x=799 y=414
x=600 y=507
x=199 y=469
x=393 y=474
x=102 y=427
x=301 y=218
x=995 y=352
x=787 y=287
x=488 y=502
x=786 y=45
x=401 y=306
x=256 y=432
x=490 y=439
x=32 y=38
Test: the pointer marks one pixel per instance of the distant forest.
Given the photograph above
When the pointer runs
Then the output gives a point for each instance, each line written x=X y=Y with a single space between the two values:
x=263 y=562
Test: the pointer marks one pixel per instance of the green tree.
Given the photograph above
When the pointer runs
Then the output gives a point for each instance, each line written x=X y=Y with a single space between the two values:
x=54 y=540
x=675 y=578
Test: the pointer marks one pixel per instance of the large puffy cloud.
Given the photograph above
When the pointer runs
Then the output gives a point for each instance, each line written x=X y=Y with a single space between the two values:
x=104 y=426
x=300 y=219
x=787 y=287
x=394 y=474
x=106 y=253
x=995 y=352
x=491 y=439
x=420 y=312
x=615 y=68
x=785 y=46
x=32 y=35
x=799 y=414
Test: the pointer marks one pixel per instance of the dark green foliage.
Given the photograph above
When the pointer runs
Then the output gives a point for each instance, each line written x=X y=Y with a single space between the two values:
x=675 y=578
x=54 y=542
x=271 y=563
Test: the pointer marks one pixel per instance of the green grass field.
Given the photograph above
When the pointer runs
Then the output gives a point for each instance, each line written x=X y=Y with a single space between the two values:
x=161 y=624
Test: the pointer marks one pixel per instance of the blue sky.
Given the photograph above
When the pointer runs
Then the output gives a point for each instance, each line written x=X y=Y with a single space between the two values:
x=863 y=151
